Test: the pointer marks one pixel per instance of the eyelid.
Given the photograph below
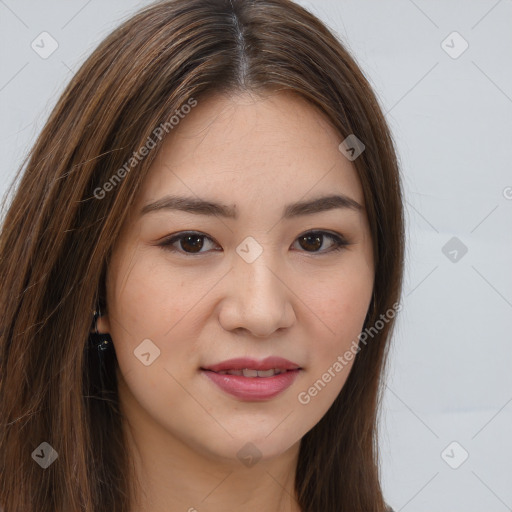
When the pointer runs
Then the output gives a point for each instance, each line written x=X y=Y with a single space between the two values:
x=338 y=239
x=167 y=241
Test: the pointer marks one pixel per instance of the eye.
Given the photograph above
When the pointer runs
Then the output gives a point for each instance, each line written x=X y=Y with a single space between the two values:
x=193 y=242
x=315 y=240
x=189 y=242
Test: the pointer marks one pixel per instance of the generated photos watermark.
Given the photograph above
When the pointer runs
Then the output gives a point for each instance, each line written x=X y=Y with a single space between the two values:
x=304 y=397
x=144 y=150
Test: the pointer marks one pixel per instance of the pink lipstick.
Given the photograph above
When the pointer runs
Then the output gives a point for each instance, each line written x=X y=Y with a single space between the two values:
x=251 y=379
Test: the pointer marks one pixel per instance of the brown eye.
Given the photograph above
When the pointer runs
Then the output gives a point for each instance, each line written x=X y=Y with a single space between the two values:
x=192 y=243
x=189 y=243
x=313 y=241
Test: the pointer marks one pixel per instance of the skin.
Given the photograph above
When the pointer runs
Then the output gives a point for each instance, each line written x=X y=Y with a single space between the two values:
x=296 y=300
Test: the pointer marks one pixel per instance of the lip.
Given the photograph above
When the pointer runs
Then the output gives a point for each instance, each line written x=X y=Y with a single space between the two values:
x=245 y=362
x=253 y=388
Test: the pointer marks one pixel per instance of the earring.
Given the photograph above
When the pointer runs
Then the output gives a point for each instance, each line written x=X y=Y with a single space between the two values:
x=102 y=346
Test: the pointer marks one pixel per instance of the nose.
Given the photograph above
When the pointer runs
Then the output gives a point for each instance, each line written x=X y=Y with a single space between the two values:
x=258 y=297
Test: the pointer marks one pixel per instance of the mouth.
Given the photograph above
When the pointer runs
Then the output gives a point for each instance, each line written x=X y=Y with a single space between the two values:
x=253 y=367
x=252 y=373
x=253 y=380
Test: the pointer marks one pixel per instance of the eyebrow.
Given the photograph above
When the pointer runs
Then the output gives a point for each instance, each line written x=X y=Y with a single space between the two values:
x=203 y=207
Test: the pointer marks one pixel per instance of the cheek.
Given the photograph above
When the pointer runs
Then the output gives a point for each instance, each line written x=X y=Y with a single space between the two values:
x=150 y=301
x=153 y=301
x=338 y=311
x=342 y=308
x=150 y=298
x=341 y=304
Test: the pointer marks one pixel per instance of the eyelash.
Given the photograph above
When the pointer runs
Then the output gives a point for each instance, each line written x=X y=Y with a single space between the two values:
x=167 y=244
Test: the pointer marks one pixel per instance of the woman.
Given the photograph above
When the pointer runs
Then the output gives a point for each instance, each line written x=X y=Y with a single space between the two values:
x=200 y=271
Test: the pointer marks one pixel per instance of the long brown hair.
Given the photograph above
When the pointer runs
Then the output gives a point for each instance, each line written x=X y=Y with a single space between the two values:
x=57 y=237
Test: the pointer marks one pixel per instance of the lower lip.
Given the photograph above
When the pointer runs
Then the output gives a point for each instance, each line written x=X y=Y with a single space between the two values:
x=253 y=388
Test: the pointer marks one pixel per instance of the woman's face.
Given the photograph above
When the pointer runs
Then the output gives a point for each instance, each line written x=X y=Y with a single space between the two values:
x=260 y=277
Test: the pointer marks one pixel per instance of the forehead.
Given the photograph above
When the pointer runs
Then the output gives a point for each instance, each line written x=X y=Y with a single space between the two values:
x=277 y=148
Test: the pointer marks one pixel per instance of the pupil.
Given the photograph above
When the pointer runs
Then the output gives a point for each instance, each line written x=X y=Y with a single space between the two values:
x=317 y=239
x=196 y=247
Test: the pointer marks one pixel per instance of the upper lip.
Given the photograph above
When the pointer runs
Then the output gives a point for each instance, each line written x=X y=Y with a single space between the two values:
x=242 y=363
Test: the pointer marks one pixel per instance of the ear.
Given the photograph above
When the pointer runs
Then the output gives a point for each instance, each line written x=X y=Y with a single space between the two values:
x=103 y=324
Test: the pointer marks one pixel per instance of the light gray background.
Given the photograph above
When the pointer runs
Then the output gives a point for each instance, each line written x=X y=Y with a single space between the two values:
x=450 y=377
